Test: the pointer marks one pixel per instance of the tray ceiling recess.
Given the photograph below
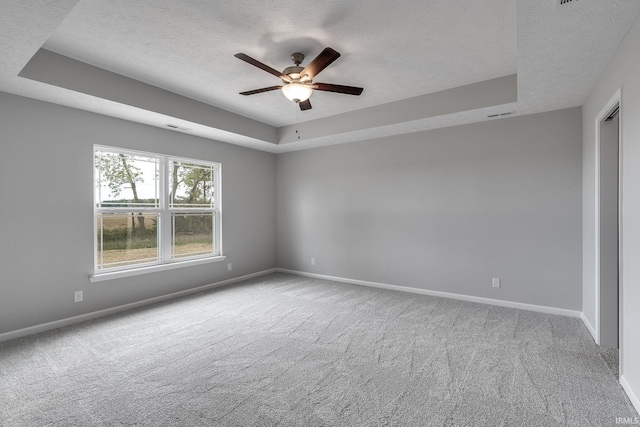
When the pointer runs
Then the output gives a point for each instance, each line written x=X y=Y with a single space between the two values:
x=439 y=63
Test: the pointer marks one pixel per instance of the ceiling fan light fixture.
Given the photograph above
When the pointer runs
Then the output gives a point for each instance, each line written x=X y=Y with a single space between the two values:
x=297 y=92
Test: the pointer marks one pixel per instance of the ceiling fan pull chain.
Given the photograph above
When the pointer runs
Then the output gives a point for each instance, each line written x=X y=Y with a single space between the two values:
x=297 y=122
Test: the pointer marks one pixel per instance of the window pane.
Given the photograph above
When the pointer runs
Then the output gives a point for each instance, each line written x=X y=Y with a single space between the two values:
x=125 y=180
x=191 y=185
x=126 y=239
x=192 y=234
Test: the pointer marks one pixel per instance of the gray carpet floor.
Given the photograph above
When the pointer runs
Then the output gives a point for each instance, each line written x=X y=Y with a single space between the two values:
x=283 y=350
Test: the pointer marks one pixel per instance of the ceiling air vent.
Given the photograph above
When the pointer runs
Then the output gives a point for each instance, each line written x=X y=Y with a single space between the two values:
x=176 y=127
x=565 y=2
x=493 y=116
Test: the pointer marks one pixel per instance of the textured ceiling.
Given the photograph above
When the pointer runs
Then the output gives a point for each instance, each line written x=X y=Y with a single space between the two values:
x=395 y=50
x=187 y=47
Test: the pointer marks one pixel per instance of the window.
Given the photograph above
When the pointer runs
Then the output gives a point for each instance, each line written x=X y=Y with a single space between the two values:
x=152 y=209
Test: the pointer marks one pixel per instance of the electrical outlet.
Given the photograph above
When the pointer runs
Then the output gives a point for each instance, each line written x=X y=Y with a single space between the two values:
x=313 y=261
x=78 y=296
x=229 y=267
x=495 y=282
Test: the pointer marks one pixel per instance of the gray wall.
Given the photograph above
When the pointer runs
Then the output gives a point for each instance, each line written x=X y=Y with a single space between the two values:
x=46 y=239
x=443 y=210
x=623 y=72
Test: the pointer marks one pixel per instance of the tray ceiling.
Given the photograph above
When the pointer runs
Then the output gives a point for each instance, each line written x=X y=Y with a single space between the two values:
x=405 y=54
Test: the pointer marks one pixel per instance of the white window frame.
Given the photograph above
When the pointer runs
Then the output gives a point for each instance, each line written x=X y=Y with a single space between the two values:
x=164 y=212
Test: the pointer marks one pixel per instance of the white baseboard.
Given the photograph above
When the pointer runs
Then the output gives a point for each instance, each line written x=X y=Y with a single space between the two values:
x=633 y=397
x=481 y=300
x=590 y=327
x=101 y=313
x=31 y=330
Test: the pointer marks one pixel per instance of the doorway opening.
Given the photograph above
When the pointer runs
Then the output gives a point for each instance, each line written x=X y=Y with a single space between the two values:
x=608 y=223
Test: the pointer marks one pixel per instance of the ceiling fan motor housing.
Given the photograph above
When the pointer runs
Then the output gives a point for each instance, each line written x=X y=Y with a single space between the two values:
x=293 y=72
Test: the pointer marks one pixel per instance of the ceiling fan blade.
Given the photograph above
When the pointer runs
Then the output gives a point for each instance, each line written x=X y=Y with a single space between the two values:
x=264 y=89
x=328 y=87
x=305 y=105
x=320 y=62
x=256 y=63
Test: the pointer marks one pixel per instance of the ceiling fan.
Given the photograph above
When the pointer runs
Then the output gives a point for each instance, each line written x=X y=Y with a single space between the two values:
x=298 y=81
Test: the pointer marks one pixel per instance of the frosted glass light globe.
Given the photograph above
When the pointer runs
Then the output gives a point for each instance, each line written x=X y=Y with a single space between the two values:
x=297 y=92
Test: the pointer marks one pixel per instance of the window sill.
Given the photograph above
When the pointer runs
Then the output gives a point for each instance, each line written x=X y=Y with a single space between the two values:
x=99 y=277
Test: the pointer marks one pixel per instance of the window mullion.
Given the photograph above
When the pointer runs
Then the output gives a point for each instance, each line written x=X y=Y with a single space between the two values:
x=165 y=230
x=217 y=199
